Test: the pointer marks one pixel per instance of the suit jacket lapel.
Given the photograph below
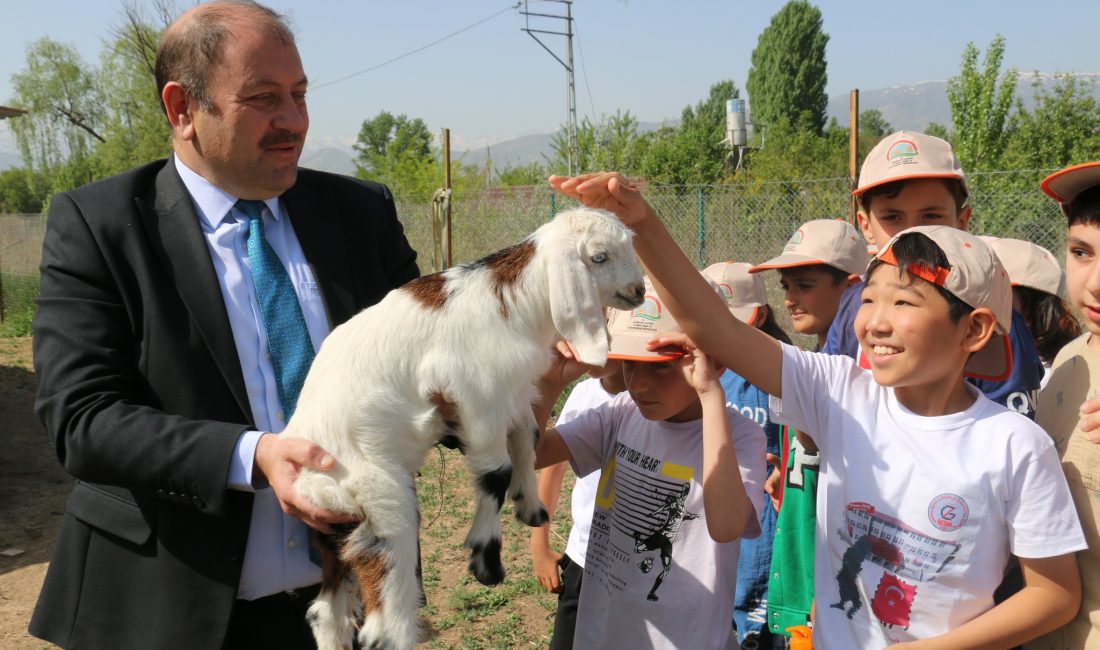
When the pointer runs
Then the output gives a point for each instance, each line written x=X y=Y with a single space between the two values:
x=320 y=232
x=175 y=233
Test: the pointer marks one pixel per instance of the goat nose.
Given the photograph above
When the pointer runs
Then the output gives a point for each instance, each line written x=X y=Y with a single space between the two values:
x=639 y=291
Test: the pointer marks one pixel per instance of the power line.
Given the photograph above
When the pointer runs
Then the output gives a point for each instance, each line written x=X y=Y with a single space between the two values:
x=419 y=49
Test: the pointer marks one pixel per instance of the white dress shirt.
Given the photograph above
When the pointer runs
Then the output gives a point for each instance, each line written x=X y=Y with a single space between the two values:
x=277 y=555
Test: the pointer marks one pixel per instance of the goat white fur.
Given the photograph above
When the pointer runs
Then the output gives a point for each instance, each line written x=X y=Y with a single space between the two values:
x=477 y=336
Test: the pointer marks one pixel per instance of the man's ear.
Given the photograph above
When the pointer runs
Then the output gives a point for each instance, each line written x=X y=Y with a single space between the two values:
x=864 y=221
x=980 y=328
x=178 y=106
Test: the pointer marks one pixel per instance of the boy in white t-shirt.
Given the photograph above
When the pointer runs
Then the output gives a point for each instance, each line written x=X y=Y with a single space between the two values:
x=563 y=573
x=680 y=485
x=927 y=486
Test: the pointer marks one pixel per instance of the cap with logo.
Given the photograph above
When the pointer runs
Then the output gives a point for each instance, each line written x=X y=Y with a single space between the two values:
x=822 y=241
x=906 y=155
x=1065 y=184
x=977 y=278
x=630 y=331
x=1029 y=265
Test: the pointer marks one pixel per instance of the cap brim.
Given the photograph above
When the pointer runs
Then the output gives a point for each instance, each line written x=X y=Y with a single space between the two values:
x=1064 y=185
x=913 y=176
x=993 y=362
x=745 y=314
x=633 y=348
x=787 y=261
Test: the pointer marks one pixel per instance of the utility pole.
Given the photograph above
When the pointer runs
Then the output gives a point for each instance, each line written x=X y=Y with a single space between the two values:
x=573 y=155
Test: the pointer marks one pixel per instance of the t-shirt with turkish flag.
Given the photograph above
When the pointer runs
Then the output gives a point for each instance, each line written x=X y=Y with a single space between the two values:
x=917 y=516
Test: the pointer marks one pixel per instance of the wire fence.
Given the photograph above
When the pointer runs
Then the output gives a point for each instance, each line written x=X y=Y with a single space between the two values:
x=747 y=222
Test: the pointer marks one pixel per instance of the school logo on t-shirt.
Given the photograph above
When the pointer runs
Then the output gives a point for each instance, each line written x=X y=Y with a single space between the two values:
x=948 y=512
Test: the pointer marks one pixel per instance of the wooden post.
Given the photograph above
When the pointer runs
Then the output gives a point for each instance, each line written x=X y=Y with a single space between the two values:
x=447 y=187
x=853 y=151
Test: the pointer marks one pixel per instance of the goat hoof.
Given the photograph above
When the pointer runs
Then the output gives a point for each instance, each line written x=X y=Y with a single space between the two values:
x=539 y=517
x=485 y=563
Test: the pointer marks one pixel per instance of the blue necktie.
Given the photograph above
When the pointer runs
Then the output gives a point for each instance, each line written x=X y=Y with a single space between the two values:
x=287 y=336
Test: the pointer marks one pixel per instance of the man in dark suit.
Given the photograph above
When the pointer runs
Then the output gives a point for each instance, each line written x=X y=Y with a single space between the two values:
x=156 y=379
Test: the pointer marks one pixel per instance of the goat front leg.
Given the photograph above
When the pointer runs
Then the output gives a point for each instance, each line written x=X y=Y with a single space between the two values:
x=523 y=488
x=487 y=457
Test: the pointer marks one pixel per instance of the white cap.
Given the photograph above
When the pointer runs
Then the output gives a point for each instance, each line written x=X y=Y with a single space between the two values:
x=834 y=242
x=906 y=155
x=1029 y=265
x=744 y=293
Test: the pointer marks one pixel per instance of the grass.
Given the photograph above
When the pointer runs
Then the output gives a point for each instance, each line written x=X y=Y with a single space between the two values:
x=462 y=613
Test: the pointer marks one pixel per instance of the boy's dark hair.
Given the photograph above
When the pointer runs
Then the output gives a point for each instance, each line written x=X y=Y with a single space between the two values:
x=836 y=275
x=916 y=249
x=891 y=190
x=772 y=328
x=1049 y=320
x=1085 y=208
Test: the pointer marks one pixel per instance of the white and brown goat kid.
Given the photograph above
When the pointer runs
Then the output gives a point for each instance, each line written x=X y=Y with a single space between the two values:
x=477 y=336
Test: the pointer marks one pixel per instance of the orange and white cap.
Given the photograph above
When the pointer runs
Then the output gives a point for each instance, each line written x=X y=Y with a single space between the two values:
x=1029 y=265
x=744 y=293
x=906 y=155
x=1065 y=184
x=977 y=278
x=822 y=241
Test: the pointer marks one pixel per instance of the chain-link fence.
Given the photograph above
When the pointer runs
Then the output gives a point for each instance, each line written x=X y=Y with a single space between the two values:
x=747 y=222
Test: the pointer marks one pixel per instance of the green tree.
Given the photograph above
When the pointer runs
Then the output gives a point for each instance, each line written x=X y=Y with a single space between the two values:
x=980 y=106
x=1062 y=129
x=938 y=130
x=65 y=113
x=693 y=152
x=787 y=77
x=397 y=151
x=529 y=174
x=23 y=191
x=872 y=123
x=608 y=145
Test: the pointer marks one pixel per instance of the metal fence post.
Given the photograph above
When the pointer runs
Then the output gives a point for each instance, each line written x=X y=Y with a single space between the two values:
x=553 y=207
x=701 y=210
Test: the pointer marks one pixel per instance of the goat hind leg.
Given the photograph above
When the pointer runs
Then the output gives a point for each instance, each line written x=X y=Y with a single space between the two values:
x=333 y=615
x=523 y=488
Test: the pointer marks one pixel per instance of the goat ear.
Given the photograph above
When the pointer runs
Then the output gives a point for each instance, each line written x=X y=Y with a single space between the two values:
x=576 y=309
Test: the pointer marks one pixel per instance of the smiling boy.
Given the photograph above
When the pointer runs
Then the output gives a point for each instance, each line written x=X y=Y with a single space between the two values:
x=927 y=486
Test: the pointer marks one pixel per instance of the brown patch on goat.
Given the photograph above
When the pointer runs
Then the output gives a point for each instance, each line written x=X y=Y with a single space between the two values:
x=369 y=570
x=429 y=291
x=506 y=266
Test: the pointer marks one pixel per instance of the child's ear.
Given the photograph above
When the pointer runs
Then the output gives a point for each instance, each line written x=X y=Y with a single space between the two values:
x=852 y=279
x=760 y=316
x=864 y=220
x=980 y=328
x=964 y=217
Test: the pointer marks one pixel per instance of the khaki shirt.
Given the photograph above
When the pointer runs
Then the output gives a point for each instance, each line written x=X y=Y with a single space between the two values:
x=1075 y=376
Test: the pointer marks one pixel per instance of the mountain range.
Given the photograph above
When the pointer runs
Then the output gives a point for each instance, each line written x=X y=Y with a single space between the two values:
x=907 y=106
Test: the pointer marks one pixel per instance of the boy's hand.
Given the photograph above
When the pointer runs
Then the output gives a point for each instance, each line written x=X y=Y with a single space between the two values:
x=1090 y=418
x=771 y=485
x=565 y=366
x=607 y=191
x=545 y=561
x=703 y=376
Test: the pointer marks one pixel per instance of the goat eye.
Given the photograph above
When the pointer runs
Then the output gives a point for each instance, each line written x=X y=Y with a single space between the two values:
x=599 y=258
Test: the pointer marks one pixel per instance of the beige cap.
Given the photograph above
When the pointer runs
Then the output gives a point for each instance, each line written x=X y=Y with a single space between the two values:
x=822 y=241
x=1064 y=185
x=1029 y=265
x=905 y=155
x=744 y=293
x=630 y=331
x=977 y=278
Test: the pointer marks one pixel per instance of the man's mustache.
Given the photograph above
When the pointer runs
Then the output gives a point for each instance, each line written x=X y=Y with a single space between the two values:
x=281 y=137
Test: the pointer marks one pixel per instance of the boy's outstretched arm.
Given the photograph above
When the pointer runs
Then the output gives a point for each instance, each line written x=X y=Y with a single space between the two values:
x=550 y=448
x=699 y=311
x=1049 y=600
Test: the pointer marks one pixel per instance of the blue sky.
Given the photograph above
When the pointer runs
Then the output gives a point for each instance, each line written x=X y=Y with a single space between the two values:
x=494 y=82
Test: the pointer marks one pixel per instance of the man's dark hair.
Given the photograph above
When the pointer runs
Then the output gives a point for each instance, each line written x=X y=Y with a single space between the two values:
x=190 y=50
x=916 y=249
x=1085 y=208
x=890 y=190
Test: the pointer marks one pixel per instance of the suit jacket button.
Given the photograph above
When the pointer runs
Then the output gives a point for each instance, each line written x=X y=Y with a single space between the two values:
x=197 y=502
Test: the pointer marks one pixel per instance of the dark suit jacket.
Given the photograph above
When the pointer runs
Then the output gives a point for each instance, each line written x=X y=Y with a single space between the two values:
x=142 y=394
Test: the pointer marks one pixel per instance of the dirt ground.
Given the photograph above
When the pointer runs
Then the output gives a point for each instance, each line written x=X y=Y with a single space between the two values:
x=461 y=613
